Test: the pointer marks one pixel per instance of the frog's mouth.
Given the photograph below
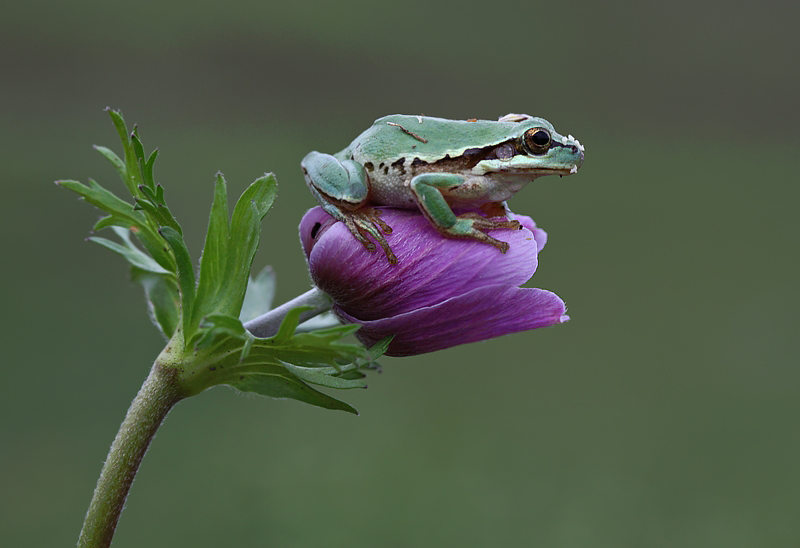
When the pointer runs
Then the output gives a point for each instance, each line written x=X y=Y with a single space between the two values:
x=521 y=168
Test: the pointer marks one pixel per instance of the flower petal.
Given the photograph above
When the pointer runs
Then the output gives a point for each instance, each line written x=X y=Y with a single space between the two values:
x=475 y=316
x=431 y=268
x=312 y=226
x=538 y=234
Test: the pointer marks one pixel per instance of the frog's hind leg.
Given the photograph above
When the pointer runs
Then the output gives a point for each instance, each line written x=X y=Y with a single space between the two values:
x=427 y=189
x=341 y=187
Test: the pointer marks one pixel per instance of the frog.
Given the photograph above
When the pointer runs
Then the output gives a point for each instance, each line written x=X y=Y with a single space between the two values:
x=438 y=165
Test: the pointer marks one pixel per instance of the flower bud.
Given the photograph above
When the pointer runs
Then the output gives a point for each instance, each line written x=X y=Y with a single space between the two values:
x=442 y=292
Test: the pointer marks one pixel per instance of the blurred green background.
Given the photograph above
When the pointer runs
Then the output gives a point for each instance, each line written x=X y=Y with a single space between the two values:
x=664 y=414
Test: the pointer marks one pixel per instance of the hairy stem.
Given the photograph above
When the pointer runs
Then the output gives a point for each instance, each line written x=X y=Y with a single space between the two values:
x=267 y=324
x=159 y=393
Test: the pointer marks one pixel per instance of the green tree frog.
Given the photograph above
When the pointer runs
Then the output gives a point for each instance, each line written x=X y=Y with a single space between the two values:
x=436 y=165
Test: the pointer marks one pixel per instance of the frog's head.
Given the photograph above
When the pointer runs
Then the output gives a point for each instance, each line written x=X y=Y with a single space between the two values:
x=534 y=149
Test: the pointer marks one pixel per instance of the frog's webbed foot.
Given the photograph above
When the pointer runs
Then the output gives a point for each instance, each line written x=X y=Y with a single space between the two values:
x=474 y=225
x=365 y=223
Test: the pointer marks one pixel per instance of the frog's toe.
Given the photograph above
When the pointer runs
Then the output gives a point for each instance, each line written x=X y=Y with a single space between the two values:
x=365 y=224
x=473 y=225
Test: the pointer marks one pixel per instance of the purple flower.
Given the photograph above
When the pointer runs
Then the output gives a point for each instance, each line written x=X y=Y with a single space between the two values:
x=441 y=293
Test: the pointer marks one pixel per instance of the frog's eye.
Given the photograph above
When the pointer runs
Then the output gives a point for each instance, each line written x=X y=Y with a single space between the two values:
x=537 y=140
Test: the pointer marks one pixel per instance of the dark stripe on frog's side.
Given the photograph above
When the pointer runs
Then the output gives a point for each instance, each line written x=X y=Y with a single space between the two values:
x=399 y=167
x=466 y=161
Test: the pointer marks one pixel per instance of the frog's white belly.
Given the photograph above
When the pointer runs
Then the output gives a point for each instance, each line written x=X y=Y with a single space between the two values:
x=391 y=190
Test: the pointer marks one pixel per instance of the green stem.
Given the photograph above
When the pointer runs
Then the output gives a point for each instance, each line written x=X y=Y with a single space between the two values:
x=159 y=393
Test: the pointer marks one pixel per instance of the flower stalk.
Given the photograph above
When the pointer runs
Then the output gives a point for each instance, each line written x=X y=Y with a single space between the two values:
x=158 y=395
x=313 y=302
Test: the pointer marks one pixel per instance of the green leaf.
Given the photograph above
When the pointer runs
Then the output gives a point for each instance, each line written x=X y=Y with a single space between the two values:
x=122 y=214
x=322 y=321
x=138 y=152
x=163 y=300
x=289 y=325
x=154 y=204
x=148 y=170
x=212 y=288
x=159 y=284
x=214 y=326
x=323 y=377
x=282 y=384
x=379 y=348
x=115 y=160
x=259 y=295
x=245 y=228
x=185 y=275
x=134 y=255
x=132 y=177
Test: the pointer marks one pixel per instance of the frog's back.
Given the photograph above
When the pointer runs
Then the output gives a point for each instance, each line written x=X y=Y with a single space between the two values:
x=398 y=136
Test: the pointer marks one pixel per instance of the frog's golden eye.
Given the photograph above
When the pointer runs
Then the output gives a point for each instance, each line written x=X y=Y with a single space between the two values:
x=537 y=140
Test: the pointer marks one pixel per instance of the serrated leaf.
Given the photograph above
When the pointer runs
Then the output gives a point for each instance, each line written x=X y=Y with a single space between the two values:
x=152 y=202
x=259 y=295
x=282 y=384
x=122 y=214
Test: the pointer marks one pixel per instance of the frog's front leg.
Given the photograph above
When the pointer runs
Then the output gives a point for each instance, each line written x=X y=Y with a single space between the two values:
x=342 y=189
x=428 y=189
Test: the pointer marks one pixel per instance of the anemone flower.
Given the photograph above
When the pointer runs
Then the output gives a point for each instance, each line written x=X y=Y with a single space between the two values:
x=441 y=293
